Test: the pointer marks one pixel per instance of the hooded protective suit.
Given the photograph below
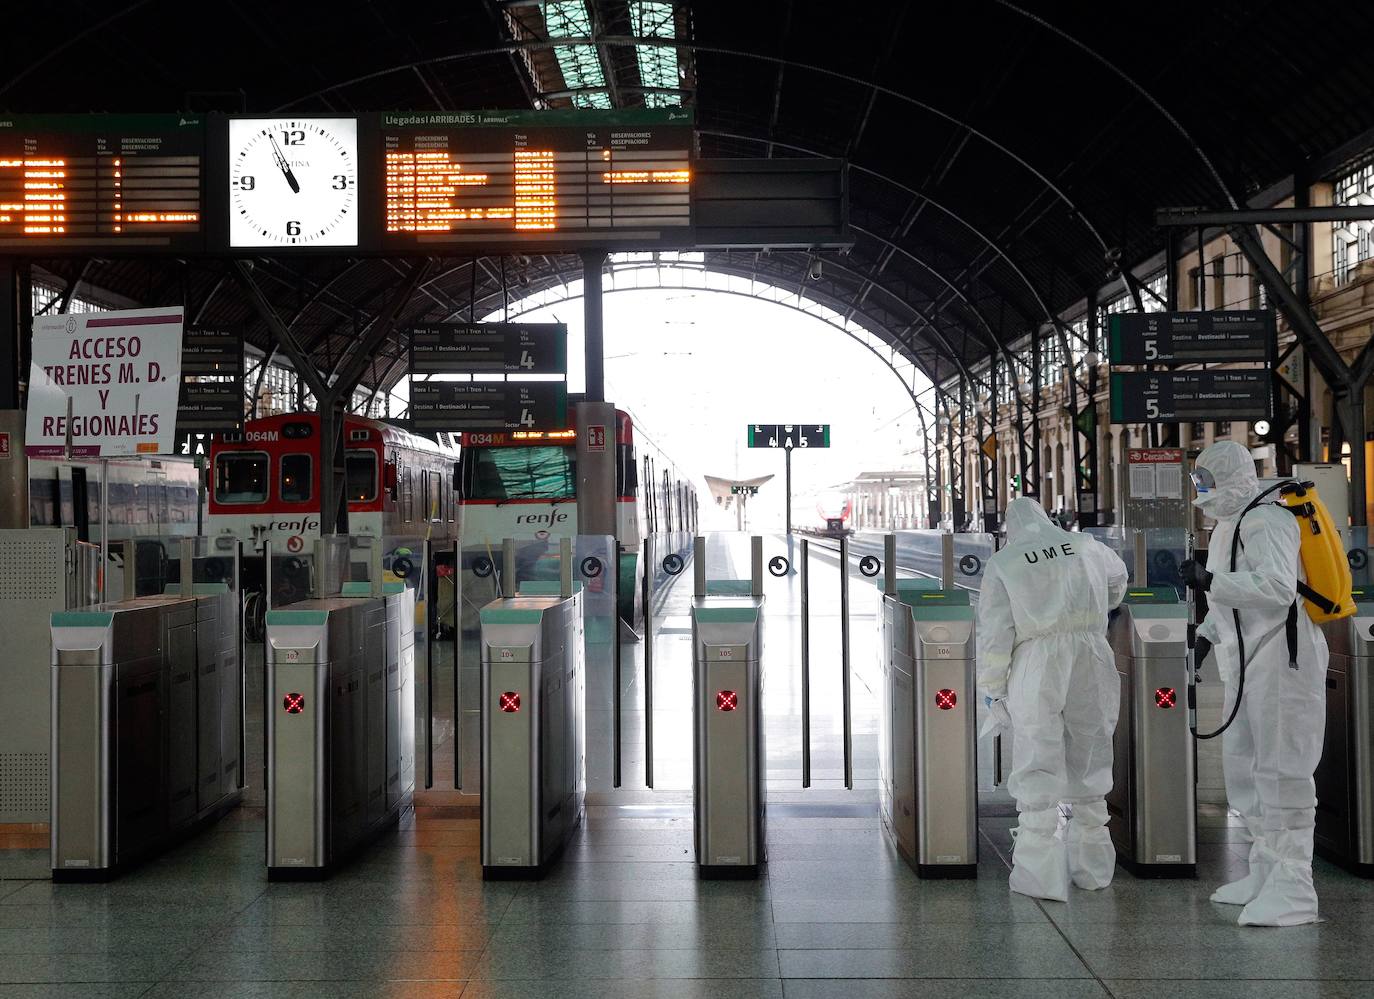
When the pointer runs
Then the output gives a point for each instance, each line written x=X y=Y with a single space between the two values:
x=1042 y=623
x=1272 y=748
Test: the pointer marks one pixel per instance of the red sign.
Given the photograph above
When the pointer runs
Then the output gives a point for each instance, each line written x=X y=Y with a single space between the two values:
x=596 y=437
x=293 y=704
x=945 y=699
x=727 y=700
x=1155 y=456
x=509 y=701
x=4 y=447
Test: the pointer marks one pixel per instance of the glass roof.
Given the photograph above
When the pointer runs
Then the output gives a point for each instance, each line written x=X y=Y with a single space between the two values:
x=657 y=63
x=581 y=64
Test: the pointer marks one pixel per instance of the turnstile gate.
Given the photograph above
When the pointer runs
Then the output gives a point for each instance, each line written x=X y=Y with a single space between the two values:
x=533 y=730
x=340 y=725
x=727 y=724
x=927 y=737
x=1345 y=776
x=1152 y=806
x=147 y=708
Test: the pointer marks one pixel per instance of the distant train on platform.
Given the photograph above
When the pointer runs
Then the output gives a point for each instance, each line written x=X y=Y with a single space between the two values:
x=832 y=518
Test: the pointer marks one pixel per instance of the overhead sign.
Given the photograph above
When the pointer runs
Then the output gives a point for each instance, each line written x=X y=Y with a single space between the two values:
x=452 y=407
x=104 y=382
x=485 y=348
x=125 y=182
x=211 y=397
x=789 y=435
x=578 y=178
x=744 y=490
x=1229 y=336
x=1186 y=396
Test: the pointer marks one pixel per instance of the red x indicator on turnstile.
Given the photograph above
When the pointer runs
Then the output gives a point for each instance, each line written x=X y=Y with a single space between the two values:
x=1165 y=697
x=727 y=700
x=509 y=701
x=945 y=698
x=293 y=704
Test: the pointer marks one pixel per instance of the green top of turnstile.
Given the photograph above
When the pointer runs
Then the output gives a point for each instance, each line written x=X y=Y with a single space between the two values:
x=288 y=618
x=1137 y=595
x=362 y=588
x=1361 y=595
x=726 y=615
x=927 y=600
x=82 y=619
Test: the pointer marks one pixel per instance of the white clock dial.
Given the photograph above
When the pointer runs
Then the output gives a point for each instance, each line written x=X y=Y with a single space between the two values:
x=293 y=182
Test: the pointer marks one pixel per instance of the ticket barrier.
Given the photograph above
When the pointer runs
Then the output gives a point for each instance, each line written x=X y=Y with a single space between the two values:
x=340 y=714
x=1152 y=807
x=727 y=724
x=533 y=690
x=928 y=796
x=1345 y=776
x=147 y=719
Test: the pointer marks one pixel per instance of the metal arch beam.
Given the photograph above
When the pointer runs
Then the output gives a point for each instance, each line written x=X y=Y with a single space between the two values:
x=912 y=394
x=695 y=48
x=915 y=193
x=942 y=343
x=840 y=303
x=877 y=327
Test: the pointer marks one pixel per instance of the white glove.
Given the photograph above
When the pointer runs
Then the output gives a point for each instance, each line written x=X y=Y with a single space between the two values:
x=998 y=717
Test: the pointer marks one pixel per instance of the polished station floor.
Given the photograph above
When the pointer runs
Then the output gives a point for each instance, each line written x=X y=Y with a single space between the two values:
x=837 y=914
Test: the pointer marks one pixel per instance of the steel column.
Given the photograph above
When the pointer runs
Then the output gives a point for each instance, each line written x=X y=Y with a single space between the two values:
x=593 y=328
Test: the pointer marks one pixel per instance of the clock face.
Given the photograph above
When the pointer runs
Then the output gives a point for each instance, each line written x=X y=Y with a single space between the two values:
x=293 y=182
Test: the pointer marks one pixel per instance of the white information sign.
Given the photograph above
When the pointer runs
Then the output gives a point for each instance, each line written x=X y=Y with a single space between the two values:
x=115 y=374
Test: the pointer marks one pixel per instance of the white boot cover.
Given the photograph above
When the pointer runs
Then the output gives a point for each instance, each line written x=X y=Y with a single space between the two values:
x=1092 y=856
x=1040 y=859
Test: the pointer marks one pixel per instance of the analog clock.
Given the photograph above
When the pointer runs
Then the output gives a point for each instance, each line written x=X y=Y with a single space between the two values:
x=293 y=182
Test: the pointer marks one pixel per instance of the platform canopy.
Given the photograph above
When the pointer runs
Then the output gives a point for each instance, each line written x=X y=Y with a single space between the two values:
x=1003 y=161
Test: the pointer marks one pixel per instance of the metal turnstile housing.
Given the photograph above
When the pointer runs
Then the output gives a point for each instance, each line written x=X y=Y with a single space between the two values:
x=927 y=731
x=1152 y=806
x=727 y=730
x=533 y=690
x=340 y=726
x=146 y=713
x=1345 y=776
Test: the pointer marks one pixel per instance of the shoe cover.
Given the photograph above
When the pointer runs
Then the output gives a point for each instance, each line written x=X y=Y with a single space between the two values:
x=1092 y=855
x=1040 y=859
x=1244 y=890
x=1288 y=897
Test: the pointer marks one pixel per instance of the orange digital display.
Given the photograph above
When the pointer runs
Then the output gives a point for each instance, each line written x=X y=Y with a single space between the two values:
x=536 y=176
x=100 y=180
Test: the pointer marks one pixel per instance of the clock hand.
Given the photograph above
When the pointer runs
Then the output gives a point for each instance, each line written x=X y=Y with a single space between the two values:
x=283 y=165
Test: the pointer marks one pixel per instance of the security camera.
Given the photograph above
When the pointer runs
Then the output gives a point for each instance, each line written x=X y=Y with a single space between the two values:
x=815 y=271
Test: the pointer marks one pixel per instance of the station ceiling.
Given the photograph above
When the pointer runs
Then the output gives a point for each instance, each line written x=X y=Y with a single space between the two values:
x=1000 y=156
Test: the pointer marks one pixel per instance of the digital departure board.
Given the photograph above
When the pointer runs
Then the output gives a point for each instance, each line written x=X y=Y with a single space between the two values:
x=547 y=177
x=117 y=181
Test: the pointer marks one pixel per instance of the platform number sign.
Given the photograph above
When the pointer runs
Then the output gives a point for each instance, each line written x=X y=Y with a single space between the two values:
x=789 y=435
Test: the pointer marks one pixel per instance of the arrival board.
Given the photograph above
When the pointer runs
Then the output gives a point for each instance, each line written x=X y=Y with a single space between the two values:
x=535 y=177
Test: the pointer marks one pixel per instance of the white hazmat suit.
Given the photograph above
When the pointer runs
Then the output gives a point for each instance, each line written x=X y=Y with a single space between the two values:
x=1272 y=748
x=1042 y=645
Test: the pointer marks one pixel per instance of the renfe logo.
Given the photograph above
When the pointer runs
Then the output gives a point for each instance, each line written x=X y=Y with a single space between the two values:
x=550 y=518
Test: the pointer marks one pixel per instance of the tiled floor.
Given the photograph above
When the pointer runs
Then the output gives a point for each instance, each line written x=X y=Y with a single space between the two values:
x=837 y=914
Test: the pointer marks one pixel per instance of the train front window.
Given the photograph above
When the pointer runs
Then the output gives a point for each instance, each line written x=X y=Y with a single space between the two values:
x=241 y=477
x=360 y=476
x=512 y=473
x=296 y=483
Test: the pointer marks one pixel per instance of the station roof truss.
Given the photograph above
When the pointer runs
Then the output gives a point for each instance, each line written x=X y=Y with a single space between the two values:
x=1001 y=159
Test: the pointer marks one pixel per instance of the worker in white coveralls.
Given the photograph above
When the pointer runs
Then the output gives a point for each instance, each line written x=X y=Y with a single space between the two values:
x=1271 y=749
x=1047 y=673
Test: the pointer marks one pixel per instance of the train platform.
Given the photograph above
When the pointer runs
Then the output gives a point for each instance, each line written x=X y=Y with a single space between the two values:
x=836 y=912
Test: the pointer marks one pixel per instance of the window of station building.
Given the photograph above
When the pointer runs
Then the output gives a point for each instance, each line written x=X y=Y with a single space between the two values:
x=360 y=475
x=1199 y=431
x=1350 y=241
x=241 y=477
x=1223 y=428
x=297 y=482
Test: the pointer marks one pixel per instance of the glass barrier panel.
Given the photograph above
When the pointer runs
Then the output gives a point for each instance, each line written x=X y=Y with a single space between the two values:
x=594 y=570
x=1358 y=555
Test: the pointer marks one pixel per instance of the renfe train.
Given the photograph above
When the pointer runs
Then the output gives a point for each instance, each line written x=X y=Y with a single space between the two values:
x=265 y=483
x=523 y=485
